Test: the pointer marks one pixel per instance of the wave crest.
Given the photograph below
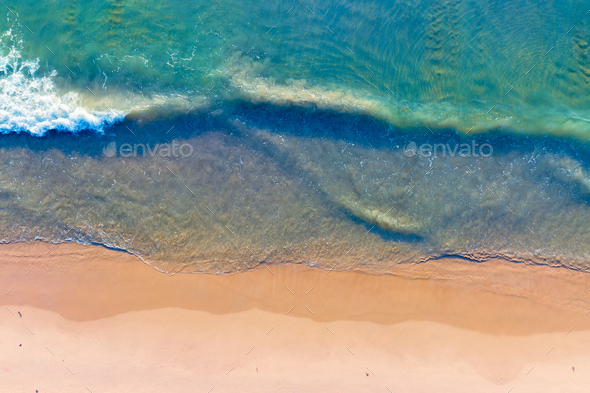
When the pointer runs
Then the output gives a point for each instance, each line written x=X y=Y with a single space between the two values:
x=29 y=103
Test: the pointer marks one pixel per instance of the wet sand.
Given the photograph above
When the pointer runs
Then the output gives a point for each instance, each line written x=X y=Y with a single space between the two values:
x=104 y=320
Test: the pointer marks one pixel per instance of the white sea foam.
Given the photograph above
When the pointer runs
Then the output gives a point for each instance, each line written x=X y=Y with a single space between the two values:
x=30 y=103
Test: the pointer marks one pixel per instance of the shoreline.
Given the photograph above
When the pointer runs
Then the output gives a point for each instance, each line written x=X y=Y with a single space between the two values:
x=451 y=326
x=523 y=294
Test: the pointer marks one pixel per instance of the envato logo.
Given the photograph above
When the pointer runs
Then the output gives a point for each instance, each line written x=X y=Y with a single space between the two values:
x=165 y=150
x=462 y=150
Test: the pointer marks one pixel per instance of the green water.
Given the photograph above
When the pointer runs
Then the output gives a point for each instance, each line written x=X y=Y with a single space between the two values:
x=348 y=135
x=466 y=65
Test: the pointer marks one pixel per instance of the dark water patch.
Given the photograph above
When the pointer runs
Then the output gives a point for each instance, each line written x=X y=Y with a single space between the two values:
x=386 y=235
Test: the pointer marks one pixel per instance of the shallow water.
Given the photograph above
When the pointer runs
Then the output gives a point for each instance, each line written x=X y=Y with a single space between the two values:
x=265 y=184
x=217 y=136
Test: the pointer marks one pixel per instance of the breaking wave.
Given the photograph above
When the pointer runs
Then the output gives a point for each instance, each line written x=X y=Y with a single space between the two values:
x=30 y=103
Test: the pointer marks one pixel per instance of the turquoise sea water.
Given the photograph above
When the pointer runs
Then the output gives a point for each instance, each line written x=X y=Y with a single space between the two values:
x=210 y=136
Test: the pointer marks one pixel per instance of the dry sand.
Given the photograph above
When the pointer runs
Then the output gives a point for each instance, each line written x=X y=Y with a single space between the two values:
x=102 y=320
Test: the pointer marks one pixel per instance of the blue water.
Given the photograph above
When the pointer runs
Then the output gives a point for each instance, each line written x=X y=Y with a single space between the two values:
x=216 y=136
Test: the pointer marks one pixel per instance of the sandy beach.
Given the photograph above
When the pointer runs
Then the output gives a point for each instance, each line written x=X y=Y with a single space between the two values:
x=255 y=196
x=100 y=320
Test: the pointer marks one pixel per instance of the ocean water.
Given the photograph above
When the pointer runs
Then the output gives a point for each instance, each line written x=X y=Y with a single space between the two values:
x=215 y=136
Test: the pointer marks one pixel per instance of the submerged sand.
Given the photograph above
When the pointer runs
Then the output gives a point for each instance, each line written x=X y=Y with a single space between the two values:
x=102 y=320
